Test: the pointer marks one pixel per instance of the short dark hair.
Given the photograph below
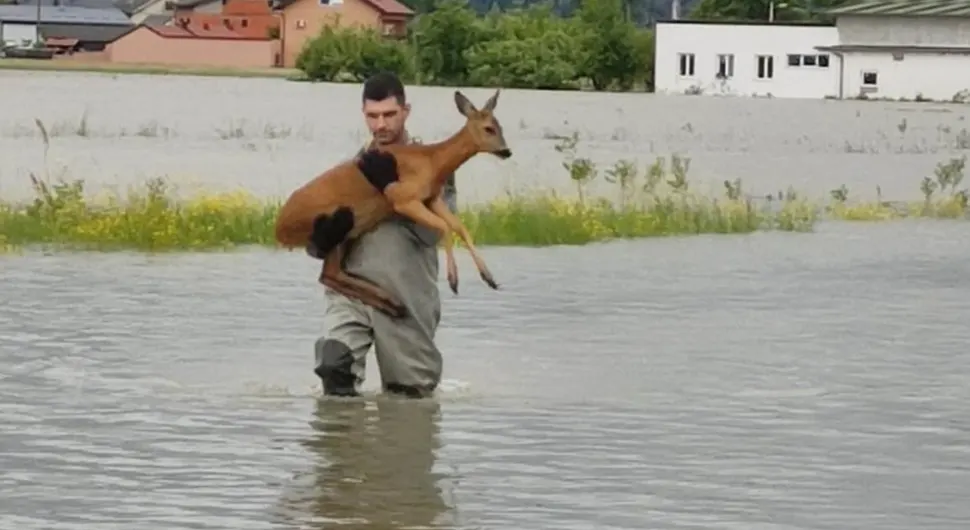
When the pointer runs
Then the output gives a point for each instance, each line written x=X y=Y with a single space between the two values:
x=383 y=85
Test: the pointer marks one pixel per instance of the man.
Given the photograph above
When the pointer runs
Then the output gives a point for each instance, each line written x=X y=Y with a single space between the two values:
x=400 y=256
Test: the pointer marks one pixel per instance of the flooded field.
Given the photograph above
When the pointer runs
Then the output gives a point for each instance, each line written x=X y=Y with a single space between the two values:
x=771 y=381
x=270 y=135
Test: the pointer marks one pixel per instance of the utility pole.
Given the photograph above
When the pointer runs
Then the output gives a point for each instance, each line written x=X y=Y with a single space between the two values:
x=37 y=26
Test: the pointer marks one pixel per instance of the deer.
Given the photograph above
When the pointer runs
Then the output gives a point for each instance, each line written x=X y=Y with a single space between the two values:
x=336 y=207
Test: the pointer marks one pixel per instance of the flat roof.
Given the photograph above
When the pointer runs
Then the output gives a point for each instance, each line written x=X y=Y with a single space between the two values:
x=721 y=22
x=906 y=8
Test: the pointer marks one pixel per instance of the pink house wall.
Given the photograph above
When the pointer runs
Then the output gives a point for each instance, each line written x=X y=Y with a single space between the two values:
x=143 y=46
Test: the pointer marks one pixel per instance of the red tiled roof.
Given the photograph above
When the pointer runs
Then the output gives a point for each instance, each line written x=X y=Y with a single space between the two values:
x=250 y=26
x=59 y=41
x=218 y=32
x=390 y=7
x=246 y=7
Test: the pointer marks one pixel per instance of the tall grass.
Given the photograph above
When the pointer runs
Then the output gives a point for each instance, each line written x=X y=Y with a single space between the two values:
x=653 y=201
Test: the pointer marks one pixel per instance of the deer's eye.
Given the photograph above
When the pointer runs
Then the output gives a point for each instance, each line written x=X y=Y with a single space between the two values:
x=489 y=129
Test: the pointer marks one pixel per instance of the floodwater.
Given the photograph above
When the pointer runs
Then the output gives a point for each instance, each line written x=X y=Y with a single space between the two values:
x=271 y=135
x=768 y=381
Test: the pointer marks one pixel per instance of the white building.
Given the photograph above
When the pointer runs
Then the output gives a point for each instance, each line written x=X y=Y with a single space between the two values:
x=904 y=48
x=898 y=49
x=745 y=59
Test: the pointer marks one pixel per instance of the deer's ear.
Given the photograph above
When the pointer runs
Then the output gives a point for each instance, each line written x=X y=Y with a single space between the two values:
x=465 y=107
x=492 y=101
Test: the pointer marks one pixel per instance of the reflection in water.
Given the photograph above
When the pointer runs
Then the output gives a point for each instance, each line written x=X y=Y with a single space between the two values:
x=372 y=467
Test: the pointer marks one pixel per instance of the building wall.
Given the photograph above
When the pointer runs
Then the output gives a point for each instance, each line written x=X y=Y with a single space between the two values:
x=932 y=76
x=304 y=19
x=16 y=34
x=748 y=47
x=907 y=31
x=146 y=47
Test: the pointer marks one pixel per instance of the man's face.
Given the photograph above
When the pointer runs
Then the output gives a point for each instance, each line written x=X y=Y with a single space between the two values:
x=385 y=119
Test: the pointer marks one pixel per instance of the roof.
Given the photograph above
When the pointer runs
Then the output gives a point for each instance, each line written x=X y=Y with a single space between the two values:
x=84 y=32
x=902 y=48
x=384 y=7
x=908 y=8
x=103 y=4
x=176 y=32
x=64 y=15
x=256 y=26
x=728 y=22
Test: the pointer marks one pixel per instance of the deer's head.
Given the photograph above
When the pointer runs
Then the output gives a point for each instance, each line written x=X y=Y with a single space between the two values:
x=484 y=128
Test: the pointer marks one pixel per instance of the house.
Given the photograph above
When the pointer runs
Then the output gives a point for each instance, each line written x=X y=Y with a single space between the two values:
x=245 y=34
x=894 y=49
x=91 y=27
x=751 y=58
x=304 y=19
x=903 y=49
x=205 y=46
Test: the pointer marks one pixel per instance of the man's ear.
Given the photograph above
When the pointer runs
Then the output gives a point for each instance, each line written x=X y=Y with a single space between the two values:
x=407 y=109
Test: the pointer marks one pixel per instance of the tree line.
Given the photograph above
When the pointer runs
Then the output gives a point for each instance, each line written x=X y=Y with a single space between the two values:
x=550 y=44
x=596 y=47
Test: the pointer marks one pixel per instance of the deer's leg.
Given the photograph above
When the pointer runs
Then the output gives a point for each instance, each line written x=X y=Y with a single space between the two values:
x=439 y=207
x=335 y=277
x=420 y=213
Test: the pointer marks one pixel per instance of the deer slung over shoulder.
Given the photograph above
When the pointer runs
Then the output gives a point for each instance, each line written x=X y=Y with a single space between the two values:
x=355 y=196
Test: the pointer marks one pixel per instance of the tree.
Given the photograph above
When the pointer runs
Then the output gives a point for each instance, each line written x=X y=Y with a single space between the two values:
x=442 y=37
x=608 y=52
x=354 y=52
x=529 y=48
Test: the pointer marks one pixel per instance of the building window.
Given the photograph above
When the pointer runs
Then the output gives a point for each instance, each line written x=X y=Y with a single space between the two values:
x=809 y=60
x=686 y=64
x=244 y=23
x=823 y=61
x=725 y=66
x=766 y=67
x=794 y=59
x=300 y=23
x=870 y=79
x=324 y=2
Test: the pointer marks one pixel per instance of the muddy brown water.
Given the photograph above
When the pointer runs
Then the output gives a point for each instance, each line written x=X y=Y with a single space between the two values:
x=769 y=381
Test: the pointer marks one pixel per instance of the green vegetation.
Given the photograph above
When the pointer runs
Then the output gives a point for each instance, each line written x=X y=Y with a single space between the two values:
x=655 y=201
x=597 y=47
x=154 y=218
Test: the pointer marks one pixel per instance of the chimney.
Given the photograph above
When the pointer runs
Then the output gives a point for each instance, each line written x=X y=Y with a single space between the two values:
x=675 y=10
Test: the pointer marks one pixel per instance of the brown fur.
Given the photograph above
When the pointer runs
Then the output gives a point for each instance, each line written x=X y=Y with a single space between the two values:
x=422 y=171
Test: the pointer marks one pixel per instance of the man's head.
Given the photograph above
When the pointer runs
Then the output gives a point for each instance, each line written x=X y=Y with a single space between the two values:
x=385 y=107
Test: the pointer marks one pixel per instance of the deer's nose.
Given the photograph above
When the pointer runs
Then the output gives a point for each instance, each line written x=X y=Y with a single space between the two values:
x=503 y=153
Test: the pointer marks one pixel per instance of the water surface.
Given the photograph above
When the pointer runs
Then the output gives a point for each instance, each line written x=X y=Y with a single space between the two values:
x=769 y=381
x=271 y=135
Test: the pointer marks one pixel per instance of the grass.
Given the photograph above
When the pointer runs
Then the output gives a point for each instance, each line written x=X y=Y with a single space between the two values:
x=63 y=216
x=151 y=69
x=657 y=202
